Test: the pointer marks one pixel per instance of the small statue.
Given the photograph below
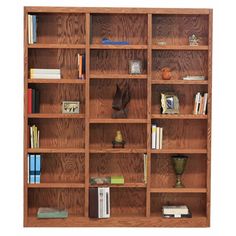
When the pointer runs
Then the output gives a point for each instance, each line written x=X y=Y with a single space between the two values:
x=166 y=73
x=120 y=101
x=118 y=142
x=193 y=40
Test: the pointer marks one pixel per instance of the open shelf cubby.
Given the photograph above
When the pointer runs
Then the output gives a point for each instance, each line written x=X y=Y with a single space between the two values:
x=77 y=146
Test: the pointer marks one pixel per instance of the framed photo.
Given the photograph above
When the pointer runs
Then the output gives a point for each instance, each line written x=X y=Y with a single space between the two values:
x=169 y=103
x=71 y=107
x=135 y=67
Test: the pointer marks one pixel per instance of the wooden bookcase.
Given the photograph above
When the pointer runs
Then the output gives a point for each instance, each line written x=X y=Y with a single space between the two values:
x=75 y=147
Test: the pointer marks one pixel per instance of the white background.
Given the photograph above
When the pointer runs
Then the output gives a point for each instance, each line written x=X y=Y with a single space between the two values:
x=223 y=135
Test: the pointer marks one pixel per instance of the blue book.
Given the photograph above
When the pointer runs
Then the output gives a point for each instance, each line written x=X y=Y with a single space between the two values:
x=110 y=42
x=32 y=169
x=34 y=29
x=37 y=168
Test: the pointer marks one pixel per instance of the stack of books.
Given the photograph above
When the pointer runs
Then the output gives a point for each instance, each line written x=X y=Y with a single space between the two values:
x=176 y=212
x=99 y=202
x=34 y=137
x=145 y=158
x=81 y=65
x=51 y=213
x=200 y=104
x=194 y=77
x=157 y=137
x=45 y=73
x=34 y=168
x=32 y=29
x=107 y=180
x=33 y=101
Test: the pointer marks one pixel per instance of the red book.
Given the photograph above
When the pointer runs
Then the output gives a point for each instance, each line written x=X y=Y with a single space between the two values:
x=29 y=100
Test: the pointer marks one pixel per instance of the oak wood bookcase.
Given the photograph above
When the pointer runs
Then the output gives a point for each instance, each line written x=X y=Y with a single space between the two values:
x=75 y=147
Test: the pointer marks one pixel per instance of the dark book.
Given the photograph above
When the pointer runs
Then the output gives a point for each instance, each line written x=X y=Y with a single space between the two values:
x=37 y=101
x=189 y=215
x=33 y=100
x=83 y=64
x=29 y=100
x=93 y=202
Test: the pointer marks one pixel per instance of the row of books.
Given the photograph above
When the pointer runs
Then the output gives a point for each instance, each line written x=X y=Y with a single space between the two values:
x=45 y=73
x=34 y=136
x=179 y=211
x=32 y=29
x=33 y=100
x=34 y=168
x=99 y=202
x=107 y=180
x=200 y=104
x=157 y=137
x=81 y=66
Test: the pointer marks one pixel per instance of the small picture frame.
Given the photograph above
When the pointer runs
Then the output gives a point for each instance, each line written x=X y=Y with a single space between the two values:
x=135 y=67
x=169 y=103
x=71 y=107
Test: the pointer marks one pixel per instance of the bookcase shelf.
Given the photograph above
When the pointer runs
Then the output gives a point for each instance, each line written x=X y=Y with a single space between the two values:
x=76 y=147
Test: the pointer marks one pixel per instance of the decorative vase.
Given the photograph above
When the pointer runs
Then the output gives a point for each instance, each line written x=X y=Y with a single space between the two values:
x=166 y=73
x=179 y=163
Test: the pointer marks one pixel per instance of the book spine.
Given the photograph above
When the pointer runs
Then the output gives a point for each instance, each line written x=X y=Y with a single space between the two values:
x=37 y=168
x=33 y=100
x=45 y=76
x=34 y=29
x=198 y=103
x=80 y=67
x=29 y=101
x=161 y=137
x=100 y=203
x=83 y=64
x=45 y=71
x=32 y=169
x=158 y=138
x=93 y=202
x=106 y=203
x=28 y=168
x=31 y=137
x=201 y=105
x=31 y=29
x=78 y=64
x=29 y=42
x=205 y=103
x=154 y=130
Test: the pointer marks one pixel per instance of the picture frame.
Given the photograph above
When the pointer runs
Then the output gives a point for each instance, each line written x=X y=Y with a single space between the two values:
x=71 y=107
x=135 y=67
x=169 y=103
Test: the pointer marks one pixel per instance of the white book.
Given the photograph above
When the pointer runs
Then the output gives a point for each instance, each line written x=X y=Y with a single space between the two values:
x=45 y=76
x=100 y=202
x=199 y=103
x=45 y=71
x=38 y=140
x=205 y=103
x=31 y=137
x=161 y=137
x=175 y=210
x=29 y=28
x=194 y=77
x=158 y=138
x=106 y=202
x=154 y=130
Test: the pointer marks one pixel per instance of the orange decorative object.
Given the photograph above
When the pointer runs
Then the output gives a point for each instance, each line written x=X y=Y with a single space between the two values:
x=166 y=73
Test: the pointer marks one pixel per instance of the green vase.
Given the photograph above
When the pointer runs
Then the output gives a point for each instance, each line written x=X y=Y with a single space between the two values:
x=179 y=163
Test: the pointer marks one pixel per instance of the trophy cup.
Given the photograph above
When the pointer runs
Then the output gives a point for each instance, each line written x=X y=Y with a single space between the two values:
x=179 y=163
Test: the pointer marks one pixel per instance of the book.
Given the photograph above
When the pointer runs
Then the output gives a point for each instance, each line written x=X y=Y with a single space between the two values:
x=37 y=168
x=145 y=168
x=45 y=76
x=34 y=25
x=34 y=137
x=100 y=180
x=33 y=100
x=194 y=77
x=161 y=137
x=32 y=169
x=47 y=213
x=117 y=180
x=154 y=130
x=45 y=71
x=93 y=202
x=205 y=103
x=175 y=210
x=29 y=100
x=189 y=215
x=157 y=138
x=200 y=104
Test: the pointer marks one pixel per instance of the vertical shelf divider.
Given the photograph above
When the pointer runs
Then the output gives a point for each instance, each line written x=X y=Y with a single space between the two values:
x=149 y=90
x=87 y=56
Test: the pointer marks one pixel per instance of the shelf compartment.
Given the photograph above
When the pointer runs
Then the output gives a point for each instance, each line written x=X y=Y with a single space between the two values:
x=119 y=27
x=118 y=150
x=181 y=63
x=52 y=96
x=70 y=198
x=64 y=59
x=186 y=99
x=61 y=169
x=103 y=91
x=59 y=116
x=102 y=135
x=57 y=45
x=195 y=201
x=130 y=166
x=163 y=176
x=60 y=133
x=55 y=185
x=178 y=190
x=181 y=47
x=56 y=81
x=66 y=28
x=117 y=76
x=116 y=61
x=176 y=29
x=56 y=150
x=179 y=116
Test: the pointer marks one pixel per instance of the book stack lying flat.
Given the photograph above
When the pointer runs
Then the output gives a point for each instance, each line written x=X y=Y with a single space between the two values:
x=181 y=211
x=47 y=213
x=99 y=202
x=157 y=137
x=33 y=101
x=32 y=29
x=194 y=77
x=200 y=104
x=34 y=168
x=45 y=73
x=34 y=137
x=107 y=180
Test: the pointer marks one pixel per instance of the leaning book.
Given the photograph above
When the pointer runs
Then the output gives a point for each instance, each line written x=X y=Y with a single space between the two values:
x=47 y=213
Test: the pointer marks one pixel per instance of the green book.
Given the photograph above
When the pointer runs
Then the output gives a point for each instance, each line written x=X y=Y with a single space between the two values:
x=117 y=180
x=100 y=180
x=46 y=213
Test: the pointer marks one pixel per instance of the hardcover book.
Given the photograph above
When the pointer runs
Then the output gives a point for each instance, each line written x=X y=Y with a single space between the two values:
x=47 y=213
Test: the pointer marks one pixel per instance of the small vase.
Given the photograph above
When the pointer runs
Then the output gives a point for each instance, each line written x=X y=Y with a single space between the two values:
x=166 y=73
